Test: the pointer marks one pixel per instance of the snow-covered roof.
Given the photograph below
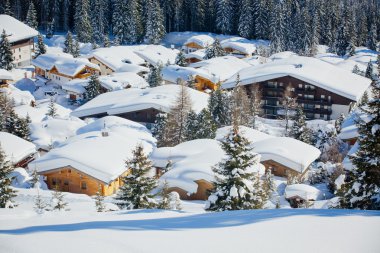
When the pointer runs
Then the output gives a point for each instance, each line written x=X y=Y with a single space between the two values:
x=76 y=85
x=18 y=96
x=199 y=54
x=156 y=54
x=15 y=148
x=38 y=113
x=306 y=192
x=201 y=40
x=251 y=134
x=121 y=80
x=64 y=63
x=172 y=73
x=86 y=152
x=349 y=129
x=5 y=75
x=289 y=152
x=191 y=161
x=240 y=44
x=307 y=69
x=117 y=57
x=15 y=29
x=161 y=98
x=282 y=55
x=220 y=68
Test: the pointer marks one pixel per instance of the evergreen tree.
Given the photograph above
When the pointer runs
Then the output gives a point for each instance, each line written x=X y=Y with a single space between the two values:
x=218 y=105
x=93 y=88
x=134 y=24
x=277 y=30
x=269 y=185
x=206 y=125
x=6 y=192
x=99 y=202
x=214 y=50
x=241 y=109
x=191 y=126
x=372 y=38
x=135 y=193
x=6 y=55
x=69 y=44
x=35 y=178
x=369 y=71
x=8 y=8
x=76 y=49
x=299 y=124
x=82 y=20
x=260 y=12
x=288 y=103
x=351 y=49
x=106 y=41
x=256 y=100
x=159 y=130
x=245 y=28
x=98 y=18
x=338 y=123
x=50 y=29
x=342 y=40
x=22 y=129
x=41 y=48
x=180 y=60
x=155 y=76
x=236 y=186
x=31 y=16
x=11 y=122
x=224 y=16
x=52 y=112
x=362 y=184
x=57 y=201
x=39 y=204
x=165 y=197
x=357 y=71
x=154 y=24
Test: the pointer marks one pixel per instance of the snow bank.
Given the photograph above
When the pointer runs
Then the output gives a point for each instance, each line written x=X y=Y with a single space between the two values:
x=18 y=96
x=251 y=134
x=5 y=75
x=121 y=80
x=15 y=148
x=15 y=29
x=202 y=40
x=306 y=192
x=38 y=113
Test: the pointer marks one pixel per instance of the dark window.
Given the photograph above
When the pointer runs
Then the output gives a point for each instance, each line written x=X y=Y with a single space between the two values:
x=66 y=182
x=54 y=181
x=84 y=186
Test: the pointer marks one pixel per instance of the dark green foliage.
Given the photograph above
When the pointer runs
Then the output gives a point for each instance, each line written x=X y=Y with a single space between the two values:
x=93 y=89
x=219 y=107
x=41 y=48
x=214 y=50
x=6 y=192
x=6 y=55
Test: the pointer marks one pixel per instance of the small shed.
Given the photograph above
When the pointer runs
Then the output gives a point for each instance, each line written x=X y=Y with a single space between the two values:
x=302 y=195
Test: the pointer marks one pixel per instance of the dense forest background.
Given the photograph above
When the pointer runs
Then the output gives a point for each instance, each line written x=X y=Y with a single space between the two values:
x=297 y=25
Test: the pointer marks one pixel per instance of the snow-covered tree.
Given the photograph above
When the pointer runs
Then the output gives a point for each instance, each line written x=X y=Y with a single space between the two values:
x=206 y=125
x=99 y=202
x=214 y=50
x=154 y=23
x=69 y=43
x=41 y=47
x=351 y=49
x=39 y=204
x=245 y=27
x=218 y=105
x=362 y=184
x=191 y=126
x=372 y=37
x=338 y=123
x=93 y=89
x=165 y=197
x=6 y=55
x=299 y=124
x=35 y=178
x=22 y=129
x=76 y=49
x=58 y=202
x=255 y=103
x=342 y=40
x=159 y=129
x=241 y=109
x=82 y=21
x=31 y=16
x=237 y=187
x=8 y=8
x=357 y=71
x=136 y=191
x=106 y=41
x=224 y=16
x=269 y=184
x=277 y=30
x=50 y=29
x=369 y=71
x=155 y=76
x=288 y=103
x=52 y=112
x=6 y=192
x=180 y=60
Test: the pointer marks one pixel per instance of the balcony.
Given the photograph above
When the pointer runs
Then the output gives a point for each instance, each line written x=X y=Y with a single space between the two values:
x=314 y=101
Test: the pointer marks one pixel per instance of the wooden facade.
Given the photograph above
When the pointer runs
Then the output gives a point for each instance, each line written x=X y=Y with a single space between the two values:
x=203 y=84
x=68 y=179
x=201 y=194
x=104 y=68
x=193 y=45
x=316 y=102
x=237 y=53
x=281 y=170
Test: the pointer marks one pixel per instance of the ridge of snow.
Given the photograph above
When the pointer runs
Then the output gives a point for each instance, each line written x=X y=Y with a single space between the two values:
x=15 y=29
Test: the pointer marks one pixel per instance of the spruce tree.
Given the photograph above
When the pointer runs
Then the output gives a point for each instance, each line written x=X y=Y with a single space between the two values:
x=277 y=30
x=342 y=40
x=155 y=76
x=93 y=88
x=31 y=16
x=41 y=48
x=99 y=202
x=154 y=23
x=206 y=125
x=214 y=50
x=362 y=184
x=6 y=192
x=237 y=187
x=299 y=124
x=191 y=126
x=76 y=49
x=288 y=103
x=269 y=185
x=338 y=123
x=372 y=37
x=218 y=105
x=69 y=43
x=22 y=129
x=357 y=71
x=245 y=27
x=82 y=21
x=6 y=55
x=39 y=204
x=159 y=129
x=136 y=191
x=256 y=100
x=52 y=110
x=224 y=16
x=57 y=201
x=165 y=197
x=106 y=41
x=35 y=178
x=8 y=8
x=180 y=60
x=241 y=109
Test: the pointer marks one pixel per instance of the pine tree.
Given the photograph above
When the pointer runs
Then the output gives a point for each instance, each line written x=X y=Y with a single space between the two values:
x=155 y=76
x=11 y=122
x=165 y=197
x=69 y=44
x=52 y=112
x=357 y=71
x=154 y=24
x=245 y=28
x=180 y=60
x=236 y=186
x=159 y=130
x=50 y=29
x=224 y=16
x=177 y=117
x=99 y=202
x=206 y=125
x=6 y=192
x=135 y=193
x=269 y=185
x=260 y=10
x=93 y=88
x=342 y=40
x=134 y=27
x=41 y=48
x=288 y=103
x=338 y=123
x=39 y=204
x=214 y=50
x=241 y=109
x=299 y=124
x=22 y=129
x=35 y=178
x=57 y=200
x=31 y=16
x=218 y=105
x=351 y=49
x=277 y=30
x=369 y=71
x=372 y=38
x=76 y=49
x=362 y=184
x=82 y=20
x=191 y=126
x=6 y=55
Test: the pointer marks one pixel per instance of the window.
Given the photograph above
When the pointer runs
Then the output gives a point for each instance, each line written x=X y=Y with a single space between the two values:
x=69 y=171
x=300 y=85
x=83 y=186
x=66 y=182
x=19 y=56
x=323 y=97
x=309 y=106
x=309 y=97
x=54 y=181
x=300 y=95
x=19 y=49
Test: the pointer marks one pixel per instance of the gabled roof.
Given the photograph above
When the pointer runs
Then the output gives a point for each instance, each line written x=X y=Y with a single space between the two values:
x=199 y=54
x=15 y=148
x=15 y=29
x=240 y=44
x=86 y=152
x=173 y=72
x=5 y=75
x=155 y=54
x=201 y=40
x=307 y=69
x=64 y=63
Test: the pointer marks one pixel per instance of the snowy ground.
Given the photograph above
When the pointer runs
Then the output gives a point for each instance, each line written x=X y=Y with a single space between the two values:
x=189 y=230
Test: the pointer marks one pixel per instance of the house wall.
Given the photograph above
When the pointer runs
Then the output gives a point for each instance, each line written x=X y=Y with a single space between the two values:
x=192 y=60
x=280 y=170
x=235 y=52
x=69 y=179
x=146 y=116
x=317 y=103
x=104 y=69
x=201 y=193
x=22 y=52
x=204 y=84
x=191 y=47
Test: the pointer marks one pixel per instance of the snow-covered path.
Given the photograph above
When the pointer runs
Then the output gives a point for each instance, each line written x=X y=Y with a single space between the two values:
x=284 y=230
